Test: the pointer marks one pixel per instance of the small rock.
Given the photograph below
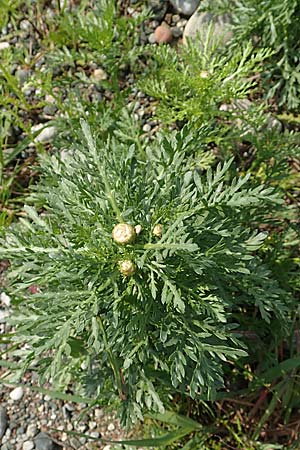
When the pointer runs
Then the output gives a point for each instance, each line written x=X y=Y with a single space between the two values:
x=4 y=45
x=28 y=445
x=158 y=8
x=273 y=123
x=111 y=427
x=46 y=135
x=99 y=75
x=17 y=394
x=151 y=38
x=107 y=447
x=176 y=32
x=74 y=442
x=182 y=23
x=49 y=110
x=199 y=25
x=43 y=442
x=163 y=34
x=49 y=98
x=25 y=25
x=147 y=128
x=185 y=7
x=3 y=316
x=92 y=425
x=5 y=299
x=22 y=75
x=95 y=434
x=3 y=421
x=31 y=430
x=99 y=413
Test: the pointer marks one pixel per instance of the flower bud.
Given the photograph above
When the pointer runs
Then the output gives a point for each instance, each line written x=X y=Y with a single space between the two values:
x=157 y=230
x=127 y=267
x=123 y=233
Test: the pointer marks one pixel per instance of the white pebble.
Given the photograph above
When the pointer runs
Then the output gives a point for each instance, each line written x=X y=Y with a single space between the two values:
x=99 y=413
x=111 y=427
x=92 y=425
x=147 y=128
x=95 y=434
x=4 y=45
x=107 y=447
x=31 y=430
x=17 y=394
x=28 y=445
x=151 y=38
x=64 y=437
x=46 y=135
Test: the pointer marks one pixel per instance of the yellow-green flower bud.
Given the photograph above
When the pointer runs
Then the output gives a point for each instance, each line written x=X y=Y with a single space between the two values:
x=127 y=267
x=157 y=230
x=123 y=233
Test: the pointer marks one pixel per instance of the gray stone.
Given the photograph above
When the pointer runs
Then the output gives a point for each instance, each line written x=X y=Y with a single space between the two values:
x=3 y=421
x=151 y=38
x=22 y=75
x=49 y=110
x=158 y=8
x=176 y=32
x=185 y=7
x=199 y=26
x=46 y=135
x=43 y=442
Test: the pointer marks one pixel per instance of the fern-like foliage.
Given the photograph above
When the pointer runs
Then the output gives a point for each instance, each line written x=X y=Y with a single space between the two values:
x=274 y=24
x=197 y=287
x=192 y=83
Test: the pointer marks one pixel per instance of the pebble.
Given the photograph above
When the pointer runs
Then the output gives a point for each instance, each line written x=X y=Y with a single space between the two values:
x=111 y=427
x=163 y=34
x=31 y=430
x=43 y=442
x=185 y=7
x=151 y=38
x=49 y=110
x=3 y=421
x=98 y=413
x=28 y=445
x=22 y=75
x=99 y=75
x=4 y=45
x=95 y=434
x=147 y=128
x=16 y=394
x=5 y=299
x=3 y=316
x=182 y=23
x=92 y=425
x=199 y=24
x=107 y=447
x=46 y=135
x=176 y=32
x=158 y=8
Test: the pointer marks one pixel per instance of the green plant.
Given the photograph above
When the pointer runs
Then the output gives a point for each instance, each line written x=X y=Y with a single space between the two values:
x=273 y=24
x=193 y=83
x=172 y=323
